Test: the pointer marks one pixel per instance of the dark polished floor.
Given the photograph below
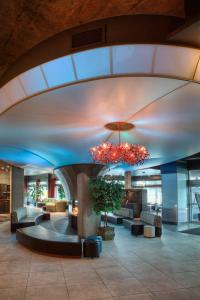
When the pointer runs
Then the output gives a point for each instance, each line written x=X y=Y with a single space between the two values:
x=130 y=268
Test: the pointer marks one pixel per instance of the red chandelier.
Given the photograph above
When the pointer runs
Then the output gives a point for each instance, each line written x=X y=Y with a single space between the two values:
x=125 y=153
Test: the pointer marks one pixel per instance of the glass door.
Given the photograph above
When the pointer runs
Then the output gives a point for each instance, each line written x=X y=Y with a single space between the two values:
x=193 y=205
x=194 y=196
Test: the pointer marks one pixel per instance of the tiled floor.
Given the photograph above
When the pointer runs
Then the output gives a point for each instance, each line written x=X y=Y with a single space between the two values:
x=130 y=269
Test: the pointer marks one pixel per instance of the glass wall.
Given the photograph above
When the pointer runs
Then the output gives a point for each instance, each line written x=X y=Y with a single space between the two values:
x=194 y=195
x=154 y=190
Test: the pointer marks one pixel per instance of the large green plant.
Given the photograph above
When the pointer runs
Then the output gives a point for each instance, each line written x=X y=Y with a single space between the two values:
x=61 y=192
x=106 y=195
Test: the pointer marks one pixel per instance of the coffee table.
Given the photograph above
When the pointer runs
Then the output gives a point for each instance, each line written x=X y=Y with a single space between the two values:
x=137 y=229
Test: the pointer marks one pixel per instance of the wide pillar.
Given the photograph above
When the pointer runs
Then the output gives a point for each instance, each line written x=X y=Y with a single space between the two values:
x=51 y=186
x=88 y=221
x=174 y=193
x=17 y=188
x=77 y=177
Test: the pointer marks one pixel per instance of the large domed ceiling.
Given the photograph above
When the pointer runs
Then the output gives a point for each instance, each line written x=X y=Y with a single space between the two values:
x=52 y=114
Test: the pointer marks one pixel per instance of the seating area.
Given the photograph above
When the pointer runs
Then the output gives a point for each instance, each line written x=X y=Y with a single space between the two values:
x=100 y=150
x=149 y=221
x=152 y=224
x=50 y=240
x=21 y=218
x=119 y=216
x=41 y=239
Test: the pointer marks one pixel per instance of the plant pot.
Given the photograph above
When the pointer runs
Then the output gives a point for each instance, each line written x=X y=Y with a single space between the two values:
x=107 y=233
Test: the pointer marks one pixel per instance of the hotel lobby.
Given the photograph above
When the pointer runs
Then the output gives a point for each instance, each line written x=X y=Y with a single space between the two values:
x=100 y=150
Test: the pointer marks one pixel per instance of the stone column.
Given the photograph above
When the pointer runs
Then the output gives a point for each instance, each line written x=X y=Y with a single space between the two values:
x=174 y=193
x=88 y=221
x=17 y=188
x=128 y=180
x=78 y=176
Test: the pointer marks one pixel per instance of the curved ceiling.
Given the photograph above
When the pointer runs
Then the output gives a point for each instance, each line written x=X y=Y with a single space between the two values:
x=24 y=24
x=153 y=86
x=125 y=60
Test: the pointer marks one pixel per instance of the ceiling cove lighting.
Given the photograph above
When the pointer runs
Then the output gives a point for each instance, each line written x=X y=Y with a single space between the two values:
x=125 y=153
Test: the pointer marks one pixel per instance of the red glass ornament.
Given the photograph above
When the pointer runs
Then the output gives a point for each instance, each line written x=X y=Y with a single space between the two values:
x=126 y=153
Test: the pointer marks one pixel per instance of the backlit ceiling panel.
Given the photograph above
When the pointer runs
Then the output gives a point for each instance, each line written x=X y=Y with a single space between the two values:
x=70 y=99
x=154 y=60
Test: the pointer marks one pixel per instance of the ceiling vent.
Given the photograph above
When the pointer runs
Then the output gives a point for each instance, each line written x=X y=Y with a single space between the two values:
x=87 y=38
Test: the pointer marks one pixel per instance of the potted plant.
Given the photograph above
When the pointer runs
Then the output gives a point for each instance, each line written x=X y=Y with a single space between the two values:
x=106 y=194
x=36 y=192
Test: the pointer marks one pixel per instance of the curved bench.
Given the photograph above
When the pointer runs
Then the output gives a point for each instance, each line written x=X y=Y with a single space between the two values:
x=41 y=239
x=20 y=218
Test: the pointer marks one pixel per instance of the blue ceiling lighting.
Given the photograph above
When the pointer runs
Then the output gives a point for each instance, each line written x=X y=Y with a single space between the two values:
x=92 y=63
x=22 y=157
x=59 y=71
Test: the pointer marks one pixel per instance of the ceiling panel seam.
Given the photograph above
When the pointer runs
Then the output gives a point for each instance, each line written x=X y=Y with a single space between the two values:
x=153 y=59
x=144 y=107
x=158 y=99
x=195 y=69
x=43 y=75
x=32 y=152
x=22 y=86
x=74 y=67
x=111 y=59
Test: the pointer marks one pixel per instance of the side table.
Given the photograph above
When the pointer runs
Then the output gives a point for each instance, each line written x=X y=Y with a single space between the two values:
x=46 y=216
x=137 y=229
x=73 y=221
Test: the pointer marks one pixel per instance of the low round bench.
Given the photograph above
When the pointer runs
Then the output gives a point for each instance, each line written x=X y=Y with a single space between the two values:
x=41 y=239
x=149 y=231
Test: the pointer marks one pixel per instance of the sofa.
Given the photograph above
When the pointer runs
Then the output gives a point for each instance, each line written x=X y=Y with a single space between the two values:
x=125 y=212
x=112 y=218
x=118 y=216
x=21 y=218
x=54 y=205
